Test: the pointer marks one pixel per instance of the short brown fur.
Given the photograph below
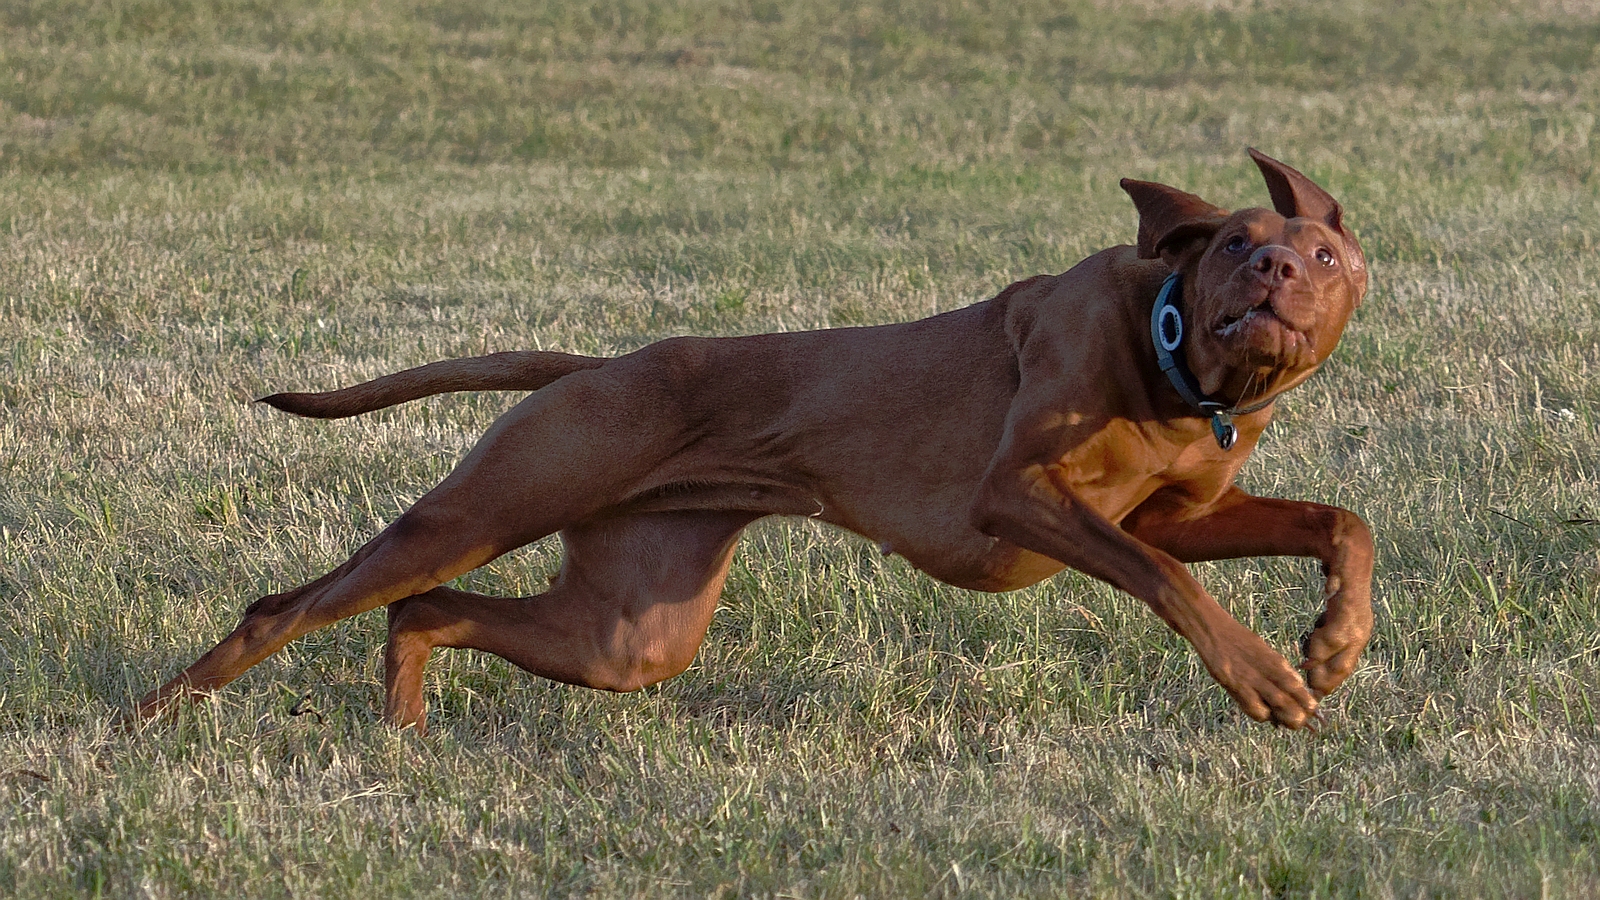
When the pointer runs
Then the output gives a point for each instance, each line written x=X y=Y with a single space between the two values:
x=990 y=446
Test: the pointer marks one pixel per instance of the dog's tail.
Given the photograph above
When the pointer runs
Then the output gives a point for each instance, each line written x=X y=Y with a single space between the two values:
x=517 y=370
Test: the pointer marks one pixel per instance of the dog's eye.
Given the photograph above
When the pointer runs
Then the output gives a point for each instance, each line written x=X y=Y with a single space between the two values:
x=1326 y=257
x=1236 y=244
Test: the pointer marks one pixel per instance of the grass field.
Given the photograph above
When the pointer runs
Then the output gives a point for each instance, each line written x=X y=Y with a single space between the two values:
x=202 y=202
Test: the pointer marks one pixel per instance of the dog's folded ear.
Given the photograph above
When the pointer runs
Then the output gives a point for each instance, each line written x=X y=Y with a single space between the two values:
x=1295 y=195
x=1171 y=221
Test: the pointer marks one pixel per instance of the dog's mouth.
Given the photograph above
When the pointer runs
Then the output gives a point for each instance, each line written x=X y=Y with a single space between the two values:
x=1235 y=324
x=1263 y=317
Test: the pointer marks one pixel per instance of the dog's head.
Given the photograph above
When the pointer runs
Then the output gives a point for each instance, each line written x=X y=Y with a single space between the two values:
x=1266 y=293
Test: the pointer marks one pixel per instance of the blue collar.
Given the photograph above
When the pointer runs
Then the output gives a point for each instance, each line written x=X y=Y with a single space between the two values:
x=1166 y=330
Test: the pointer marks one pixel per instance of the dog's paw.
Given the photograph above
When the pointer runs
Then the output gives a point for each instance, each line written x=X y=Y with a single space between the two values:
x=1331 y=652
x=1262 y=682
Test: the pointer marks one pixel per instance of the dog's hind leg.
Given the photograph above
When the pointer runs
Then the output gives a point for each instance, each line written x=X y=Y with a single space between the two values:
x=406 y=558
x=559 y=457
x=629 y=608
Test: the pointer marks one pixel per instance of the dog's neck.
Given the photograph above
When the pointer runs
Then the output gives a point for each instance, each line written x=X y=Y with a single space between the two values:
x=1167 y=333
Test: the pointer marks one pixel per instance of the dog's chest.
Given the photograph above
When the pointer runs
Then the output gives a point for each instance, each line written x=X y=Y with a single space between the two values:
x=1124 y=463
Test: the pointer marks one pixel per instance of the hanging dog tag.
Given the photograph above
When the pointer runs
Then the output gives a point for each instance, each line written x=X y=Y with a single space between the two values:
x=1223 y=429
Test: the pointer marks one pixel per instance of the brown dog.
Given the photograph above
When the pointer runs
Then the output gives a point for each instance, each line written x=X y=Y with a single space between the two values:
x=1081 y=420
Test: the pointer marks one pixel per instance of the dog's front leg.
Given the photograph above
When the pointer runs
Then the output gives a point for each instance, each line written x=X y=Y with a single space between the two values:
x=1036 y=509
x=1239 y=525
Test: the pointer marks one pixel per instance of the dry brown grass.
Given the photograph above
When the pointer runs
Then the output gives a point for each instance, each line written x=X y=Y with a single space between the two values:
x=202 y=205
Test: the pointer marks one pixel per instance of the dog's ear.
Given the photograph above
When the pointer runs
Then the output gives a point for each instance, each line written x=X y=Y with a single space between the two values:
x=1293 y=194
x=1171 y=221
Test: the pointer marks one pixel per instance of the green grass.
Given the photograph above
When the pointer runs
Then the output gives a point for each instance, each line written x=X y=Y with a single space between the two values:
x=204 y=202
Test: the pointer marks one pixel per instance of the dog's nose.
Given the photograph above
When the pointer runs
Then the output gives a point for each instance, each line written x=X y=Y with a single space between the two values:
x=1277 y=263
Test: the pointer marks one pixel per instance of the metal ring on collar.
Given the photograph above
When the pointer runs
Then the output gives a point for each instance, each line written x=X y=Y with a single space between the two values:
x=1170 y=328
